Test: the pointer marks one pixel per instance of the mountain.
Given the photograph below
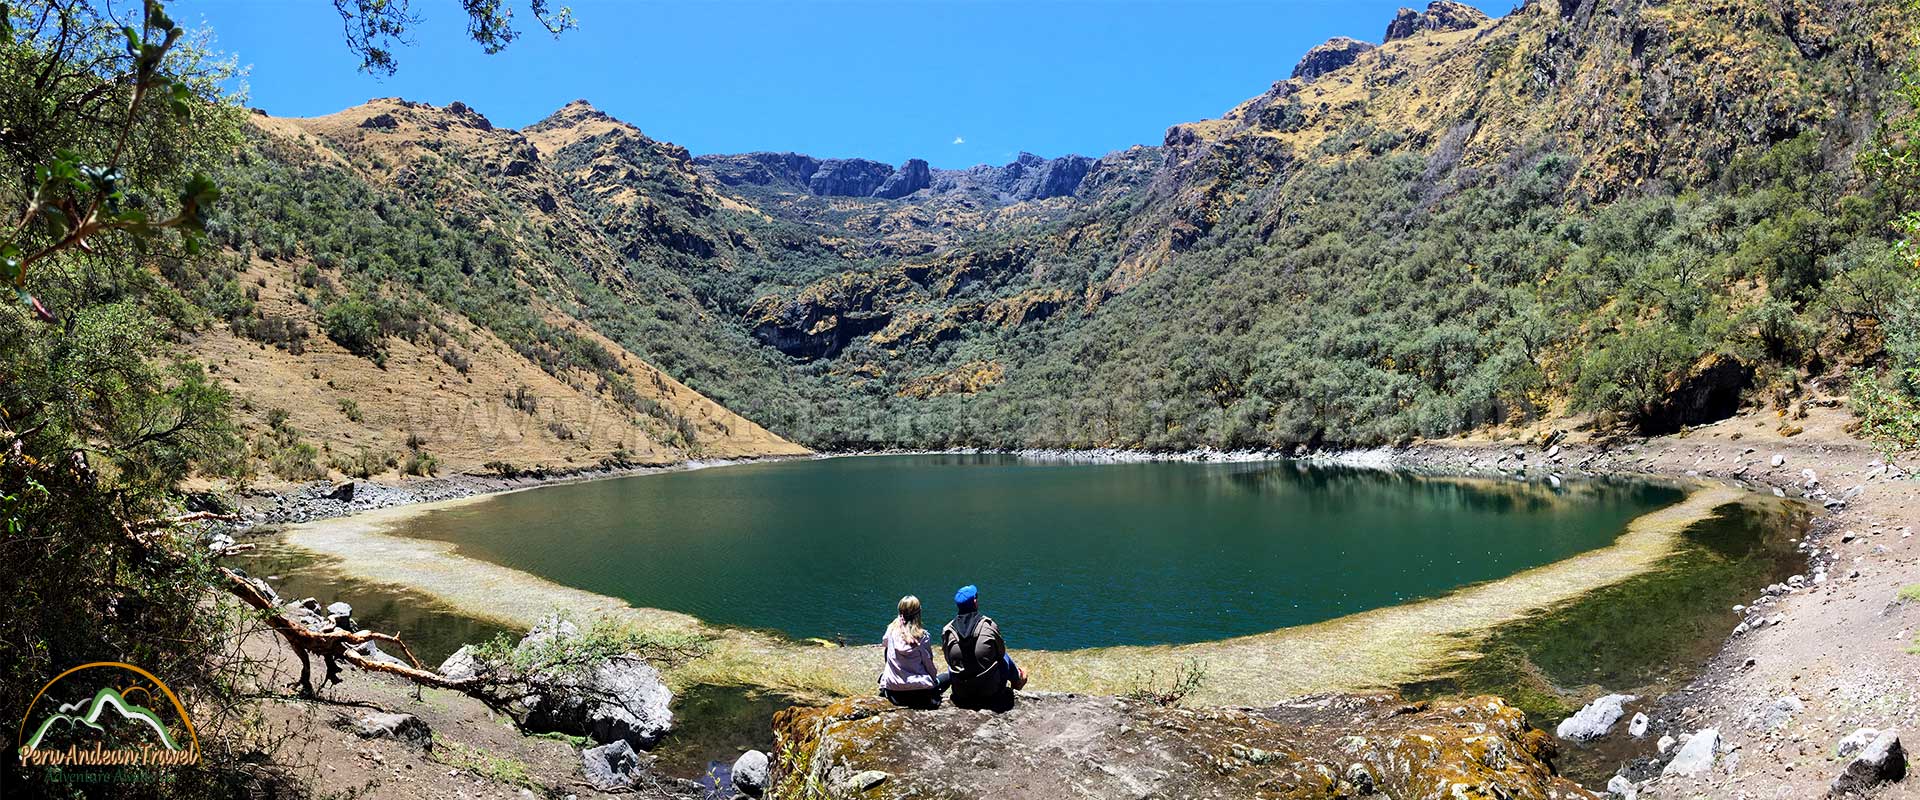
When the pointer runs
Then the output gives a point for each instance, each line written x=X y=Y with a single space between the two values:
x=1630 y=213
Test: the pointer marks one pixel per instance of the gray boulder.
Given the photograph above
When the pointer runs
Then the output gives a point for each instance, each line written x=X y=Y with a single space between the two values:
x=1593 y=721
x=405 y=728
x=611 y=767
x=1637 y=727
x=1696 y=756
x=462 y=664
x=750 y=773
x=622 y=698
x=1882 y=760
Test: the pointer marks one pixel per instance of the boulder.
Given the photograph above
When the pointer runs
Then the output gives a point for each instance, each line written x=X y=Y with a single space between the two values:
x=1330 y=55
x=611 y=767
x=750 y=773
x=1781 y=712
x=405 y=728
x=1637 y=727
x=1329 y=746
x=342 y=491
x=620 y=699
x=1880 y=761
x=1856 y=741
x=462 y=664
x=1593 y=721
x=1620 y=787
x=1696 y=756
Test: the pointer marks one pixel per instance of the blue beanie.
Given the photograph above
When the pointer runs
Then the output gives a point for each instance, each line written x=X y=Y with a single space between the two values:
x=966 y=595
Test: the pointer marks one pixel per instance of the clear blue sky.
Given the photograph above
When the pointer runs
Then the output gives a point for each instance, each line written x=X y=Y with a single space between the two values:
x=881 y=79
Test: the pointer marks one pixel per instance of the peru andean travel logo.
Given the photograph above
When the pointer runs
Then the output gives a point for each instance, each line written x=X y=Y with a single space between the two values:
x=105 y=722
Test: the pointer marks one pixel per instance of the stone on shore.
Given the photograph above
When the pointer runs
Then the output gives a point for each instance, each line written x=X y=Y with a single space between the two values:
x=1696 y=756
x=405 y=728
x=1593 y=721
x=750 y=773
x=1881 y=760
x=611 y=767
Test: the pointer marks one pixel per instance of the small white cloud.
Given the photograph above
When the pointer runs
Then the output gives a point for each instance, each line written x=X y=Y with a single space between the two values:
x=959 y=140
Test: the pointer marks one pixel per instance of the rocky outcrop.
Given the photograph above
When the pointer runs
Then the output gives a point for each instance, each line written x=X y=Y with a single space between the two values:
x=1330 y=55
x=1050 y=746
x=618 y=699
x=911 y=177
x=1441 y=15
x=1027 y=177
x=848 y=177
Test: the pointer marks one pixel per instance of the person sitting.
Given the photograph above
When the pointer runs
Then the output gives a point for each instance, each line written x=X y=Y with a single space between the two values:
x=983 y=674
x=907 y=678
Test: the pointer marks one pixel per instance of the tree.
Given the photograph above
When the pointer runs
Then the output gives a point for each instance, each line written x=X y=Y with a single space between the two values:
x=375 y=27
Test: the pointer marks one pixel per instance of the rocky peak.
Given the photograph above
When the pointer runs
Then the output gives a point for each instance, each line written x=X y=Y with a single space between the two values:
x=911 y=177
x=848 y=177
x=1441 y=15
x=1330 y=55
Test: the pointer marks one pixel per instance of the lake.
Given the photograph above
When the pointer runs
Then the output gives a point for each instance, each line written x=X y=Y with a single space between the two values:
x=1066 y=555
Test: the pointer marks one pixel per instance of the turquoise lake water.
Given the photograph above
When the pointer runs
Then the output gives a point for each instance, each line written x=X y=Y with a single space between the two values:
x=1065 y=555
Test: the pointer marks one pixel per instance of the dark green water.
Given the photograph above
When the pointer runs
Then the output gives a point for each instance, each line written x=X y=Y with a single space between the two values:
x=1066 y=555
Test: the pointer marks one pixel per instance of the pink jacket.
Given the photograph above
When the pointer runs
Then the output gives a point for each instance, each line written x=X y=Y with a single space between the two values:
x=909 y=665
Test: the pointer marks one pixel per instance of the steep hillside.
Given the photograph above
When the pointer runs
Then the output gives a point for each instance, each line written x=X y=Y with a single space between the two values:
x=1644 y=214
x=411 y=286
x=1645 y=210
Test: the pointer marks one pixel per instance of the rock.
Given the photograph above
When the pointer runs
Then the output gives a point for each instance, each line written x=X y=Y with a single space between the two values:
x=1665 y=743
x=1856 y=741
x=911 y=177
x=750 y=773
x=342 y=491
x=1108 y=747
x=865 y=779
x=1880 y=761
x=1593 y=721
x=462 y=664
x=405 y=728
x=1782 y=711
x=1330 y=55
x=1696 y=756
x=1441 y=15
x=848 y=177
x=1637 y=727
x=611 y=766
x=1619 y=786
x=622 y=698
x=1779 y=458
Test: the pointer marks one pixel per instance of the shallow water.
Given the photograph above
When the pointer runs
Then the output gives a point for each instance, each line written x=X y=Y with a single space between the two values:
x=1646 y=636
x=1066 y=555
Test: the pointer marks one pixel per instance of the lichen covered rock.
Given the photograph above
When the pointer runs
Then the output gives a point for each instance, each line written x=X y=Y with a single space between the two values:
x=1051 y=745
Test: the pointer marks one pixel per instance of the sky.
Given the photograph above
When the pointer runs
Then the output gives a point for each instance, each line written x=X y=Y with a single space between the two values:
x=954 y=82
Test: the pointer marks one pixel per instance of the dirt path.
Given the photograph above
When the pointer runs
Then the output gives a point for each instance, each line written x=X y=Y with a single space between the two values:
x=1841 y=646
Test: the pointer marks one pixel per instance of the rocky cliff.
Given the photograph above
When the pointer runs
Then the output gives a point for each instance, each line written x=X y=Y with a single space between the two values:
x=1052 y=746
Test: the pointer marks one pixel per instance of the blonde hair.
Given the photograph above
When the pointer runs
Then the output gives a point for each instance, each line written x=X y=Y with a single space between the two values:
x=907 y=624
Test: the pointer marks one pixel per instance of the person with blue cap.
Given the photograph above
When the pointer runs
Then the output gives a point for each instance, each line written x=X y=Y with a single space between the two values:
x=983 y=674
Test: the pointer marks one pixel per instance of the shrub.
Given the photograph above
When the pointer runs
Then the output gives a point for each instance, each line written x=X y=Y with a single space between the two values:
x=352 y=323
x=420 y=463
x=351 y=409
x=362 y=463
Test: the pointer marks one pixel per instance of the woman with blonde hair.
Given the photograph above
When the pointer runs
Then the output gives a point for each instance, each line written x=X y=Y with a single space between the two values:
x=908 y=677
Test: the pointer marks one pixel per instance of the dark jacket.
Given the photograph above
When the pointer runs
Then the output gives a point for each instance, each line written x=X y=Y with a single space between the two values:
x=976 y=656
